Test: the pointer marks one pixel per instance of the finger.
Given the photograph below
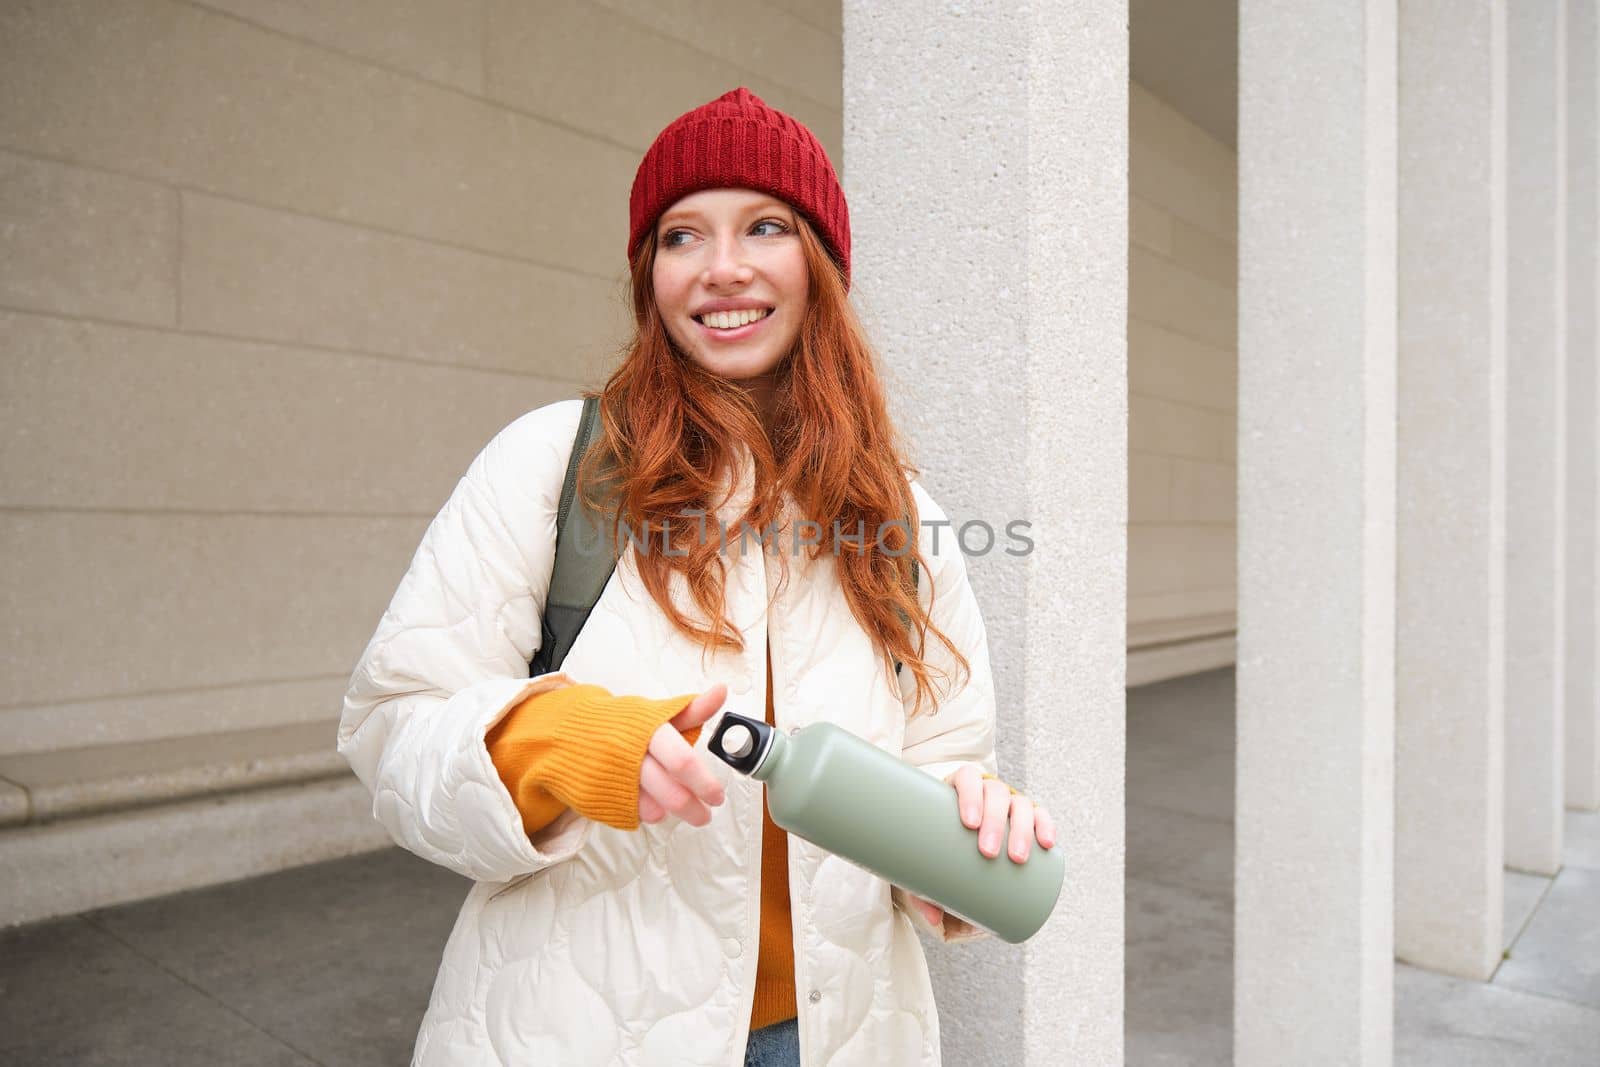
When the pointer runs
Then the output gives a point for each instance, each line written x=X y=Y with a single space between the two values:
x=930 y=911
x=1044 y=827
x=969 y=795
x=996 y=802
x=1021 y=828
x=684 y=764
x=654 y=779
x=701 y=708
x=650 y=810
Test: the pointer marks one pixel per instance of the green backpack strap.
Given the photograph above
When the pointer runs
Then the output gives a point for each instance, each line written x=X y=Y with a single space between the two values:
x=579 y=574
x=584 y=559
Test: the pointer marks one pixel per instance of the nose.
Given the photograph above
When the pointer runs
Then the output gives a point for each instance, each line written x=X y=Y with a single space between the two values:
x=727 y=264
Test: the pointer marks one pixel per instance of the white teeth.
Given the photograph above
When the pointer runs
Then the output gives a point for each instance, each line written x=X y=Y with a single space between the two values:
x=729 y=320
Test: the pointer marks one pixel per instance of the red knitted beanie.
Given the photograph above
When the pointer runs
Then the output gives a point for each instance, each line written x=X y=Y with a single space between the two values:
x=737 y=140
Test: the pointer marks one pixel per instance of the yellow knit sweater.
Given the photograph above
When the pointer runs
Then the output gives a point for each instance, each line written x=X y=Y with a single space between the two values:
x=581 y=747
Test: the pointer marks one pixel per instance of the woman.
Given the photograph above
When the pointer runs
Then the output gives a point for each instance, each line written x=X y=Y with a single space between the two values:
x=634 y=904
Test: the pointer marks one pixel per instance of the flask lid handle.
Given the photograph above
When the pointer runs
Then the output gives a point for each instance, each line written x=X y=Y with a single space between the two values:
x=741 y=742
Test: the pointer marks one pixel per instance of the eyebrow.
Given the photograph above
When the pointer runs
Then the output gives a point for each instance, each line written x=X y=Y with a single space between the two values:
x=675 y=214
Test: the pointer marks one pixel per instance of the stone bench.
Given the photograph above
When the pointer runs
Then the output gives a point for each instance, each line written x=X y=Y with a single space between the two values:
x=39 y=787
x=1170 y=648
x=105 y=824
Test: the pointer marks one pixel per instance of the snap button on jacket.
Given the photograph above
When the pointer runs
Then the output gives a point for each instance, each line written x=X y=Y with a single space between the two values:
x=586 y=945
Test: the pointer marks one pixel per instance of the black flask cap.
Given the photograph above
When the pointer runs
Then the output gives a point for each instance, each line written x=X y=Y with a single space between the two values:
x=749 y=752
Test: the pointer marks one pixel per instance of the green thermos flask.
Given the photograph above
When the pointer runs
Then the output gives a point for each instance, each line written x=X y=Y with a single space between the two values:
x=846 y=795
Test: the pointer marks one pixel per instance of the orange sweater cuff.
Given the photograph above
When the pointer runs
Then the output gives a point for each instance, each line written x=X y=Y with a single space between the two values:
x=581 y=747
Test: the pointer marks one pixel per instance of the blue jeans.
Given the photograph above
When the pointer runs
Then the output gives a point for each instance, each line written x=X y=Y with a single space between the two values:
x=777 y=1045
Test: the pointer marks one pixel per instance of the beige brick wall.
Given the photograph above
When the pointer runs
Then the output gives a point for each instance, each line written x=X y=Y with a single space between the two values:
x=1182 y=369
x=270 y=274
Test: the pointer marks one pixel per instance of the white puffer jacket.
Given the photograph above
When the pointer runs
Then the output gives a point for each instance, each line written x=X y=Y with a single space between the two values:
x=588 y=945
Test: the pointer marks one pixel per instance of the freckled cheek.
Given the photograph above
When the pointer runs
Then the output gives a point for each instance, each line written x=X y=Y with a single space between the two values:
x=671 y=293
x=671 y=307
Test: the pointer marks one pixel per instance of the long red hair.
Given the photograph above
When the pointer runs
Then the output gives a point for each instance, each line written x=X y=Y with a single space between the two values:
x=670 y=434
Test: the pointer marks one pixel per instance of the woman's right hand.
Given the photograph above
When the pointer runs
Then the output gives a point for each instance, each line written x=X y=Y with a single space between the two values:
x=673 y=778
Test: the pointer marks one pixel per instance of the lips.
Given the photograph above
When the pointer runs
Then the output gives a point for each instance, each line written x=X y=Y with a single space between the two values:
x=747 y=330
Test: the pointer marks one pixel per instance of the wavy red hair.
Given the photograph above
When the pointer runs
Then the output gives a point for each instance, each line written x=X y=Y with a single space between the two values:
x=670 y=431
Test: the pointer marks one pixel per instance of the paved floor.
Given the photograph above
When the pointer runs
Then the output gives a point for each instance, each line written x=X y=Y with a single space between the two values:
x=327 y=964
x=331 y=964
x=1542 y=1007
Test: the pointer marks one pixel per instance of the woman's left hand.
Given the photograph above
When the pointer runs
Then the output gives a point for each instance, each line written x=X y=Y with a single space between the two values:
x=990 y=806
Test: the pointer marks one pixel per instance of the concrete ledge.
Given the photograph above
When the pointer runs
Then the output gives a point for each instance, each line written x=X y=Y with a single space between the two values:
x=39 y=787
x=1157 y=663
x=72 y=865
x=13 y=804
x=1156 y=632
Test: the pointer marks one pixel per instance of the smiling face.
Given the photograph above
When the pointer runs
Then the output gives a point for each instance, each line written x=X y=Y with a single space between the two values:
x=722 y=256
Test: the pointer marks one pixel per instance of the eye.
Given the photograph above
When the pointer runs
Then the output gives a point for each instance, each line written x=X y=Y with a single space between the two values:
x=780 y=229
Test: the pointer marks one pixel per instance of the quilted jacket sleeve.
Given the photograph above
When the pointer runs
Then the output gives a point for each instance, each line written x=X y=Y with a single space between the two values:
x=450 y=658
x=962 y=731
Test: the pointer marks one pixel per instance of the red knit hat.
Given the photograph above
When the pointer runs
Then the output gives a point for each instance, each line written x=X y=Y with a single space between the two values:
x=737 y=140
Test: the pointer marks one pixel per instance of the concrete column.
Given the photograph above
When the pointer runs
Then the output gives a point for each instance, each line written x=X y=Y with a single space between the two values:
x=1583 y=414
x=1313 y=872
x=1535 y=435
x=1451 y=517
x=986 y=165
